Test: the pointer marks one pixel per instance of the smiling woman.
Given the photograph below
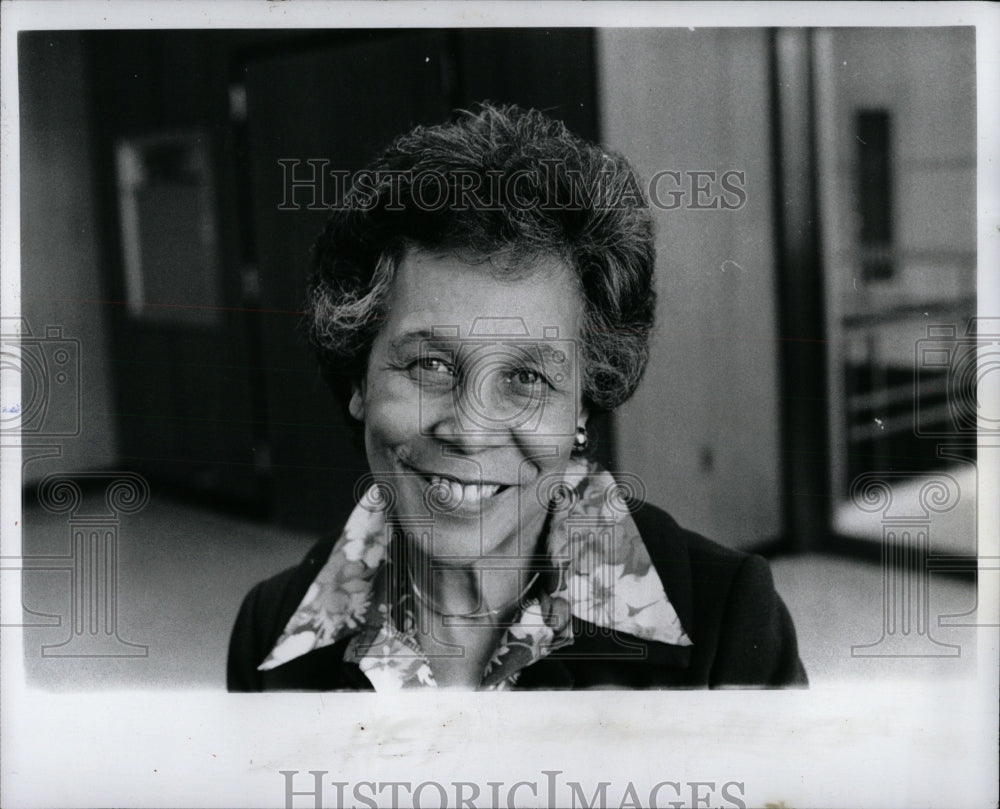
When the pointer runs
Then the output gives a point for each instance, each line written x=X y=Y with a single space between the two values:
x=489 y=418
x=472 y=342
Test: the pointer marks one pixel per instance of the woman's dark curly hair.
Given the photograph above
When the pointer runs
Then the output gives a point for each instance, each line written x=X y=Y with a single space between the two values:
x=537 y=191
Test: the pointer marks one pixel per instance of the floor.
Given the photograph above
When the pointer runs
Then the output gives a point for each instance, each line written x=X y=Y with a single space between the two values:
x=183 y=571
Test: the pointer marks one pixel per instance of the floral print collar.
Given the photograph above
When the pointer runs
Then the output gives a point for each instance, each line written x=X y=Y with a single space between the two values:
x=602 y=575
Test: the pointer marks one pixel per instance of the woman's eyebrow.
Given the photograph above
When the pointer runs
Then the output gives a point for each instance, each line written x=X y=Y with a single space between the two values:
x=407 y=339
x=546 y=350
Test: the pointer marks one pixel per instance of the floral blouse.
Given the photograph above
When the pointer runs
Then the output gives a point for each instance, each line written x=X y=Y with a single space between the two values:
x=603 y=575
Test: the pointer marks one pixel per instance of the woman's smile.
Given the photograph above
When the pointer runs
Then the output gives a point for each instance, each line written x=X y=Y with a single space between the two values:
x=474 y=494
x=466 y=345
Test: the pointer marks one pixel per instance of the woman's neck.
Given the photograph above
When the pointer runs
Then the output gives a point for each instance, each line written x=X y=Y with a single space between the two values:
x=462 y=607
x=462 y=611
x=487 y=586
x=472 y=593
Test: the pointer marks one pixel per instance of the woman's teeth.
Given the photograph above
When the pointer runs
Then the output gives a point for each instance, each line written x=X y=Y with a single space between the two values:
x=467 y=493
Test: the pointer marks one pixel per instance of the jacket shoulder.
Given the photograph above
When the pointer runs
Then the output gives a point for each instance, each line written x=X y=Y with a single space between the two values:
x=682 y=556
x=739 y=625
x=658 y=527
x=263 y=615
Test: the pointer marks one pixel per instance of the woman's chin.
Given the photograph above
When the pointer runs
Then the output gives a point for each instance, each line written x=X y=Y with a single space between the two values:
x=467 y=543
x=446 y=524
x=461 y=541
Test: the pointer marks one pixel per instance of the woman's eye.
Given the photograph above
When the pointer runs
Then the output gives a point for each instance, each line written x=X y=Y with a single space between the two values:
x=432 y=370
x=434 y=365
x=524 y=380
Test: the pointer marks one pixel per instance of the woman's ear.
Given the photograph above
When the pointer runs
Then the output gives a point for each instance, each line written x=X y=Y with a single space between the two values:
x=356 y=407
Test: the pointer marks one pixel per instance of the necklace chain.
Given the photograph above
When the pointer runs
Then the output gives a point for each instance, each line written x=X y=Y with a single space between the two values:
x=419 y=595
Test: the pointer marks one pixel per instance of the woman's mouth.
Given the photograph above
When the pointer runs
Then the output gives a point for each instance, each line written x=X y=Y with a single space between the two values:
x=466 y=492
x=461 y=491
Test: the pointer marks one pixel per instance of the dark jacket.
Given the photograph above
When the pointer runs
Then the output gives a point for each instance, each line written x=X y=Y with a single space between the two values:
x=741 y=631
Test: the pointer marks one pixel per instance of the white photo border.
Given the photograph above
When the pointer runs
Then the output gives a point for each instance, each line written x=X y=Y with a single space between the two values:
x=916 y=744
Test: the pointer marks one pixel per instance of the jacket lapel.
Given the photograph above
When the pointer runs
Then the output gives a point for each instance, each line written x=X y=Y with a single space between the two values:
x=669 y=553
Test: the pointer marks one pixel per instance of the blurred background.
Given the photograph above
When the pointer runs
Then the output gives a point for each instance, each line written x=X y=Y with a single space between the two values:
x=813 y=366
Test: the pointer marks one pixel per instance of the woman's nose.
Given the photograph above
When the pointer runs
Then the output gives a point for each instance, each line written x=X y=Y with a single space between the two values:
x=477 y=411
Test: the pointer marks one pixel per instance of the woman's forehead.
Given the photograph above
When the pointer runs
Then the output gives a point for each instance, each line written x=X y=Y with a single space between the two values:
x=449 y=294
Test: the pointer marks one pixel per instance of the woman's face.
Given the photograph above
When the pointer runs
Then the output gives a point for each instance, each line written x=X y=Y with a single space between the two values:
x=472 y=398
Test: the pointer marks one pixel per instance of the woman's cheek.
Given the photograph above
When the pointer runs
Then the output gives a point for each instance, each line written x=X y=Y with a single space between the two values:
x=556 y=428
x=392 y=414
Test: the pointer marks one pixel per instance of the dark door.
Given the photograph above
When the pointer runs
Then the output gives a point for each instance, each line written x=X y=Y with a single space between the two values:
x=338 y=103
x=180 y=354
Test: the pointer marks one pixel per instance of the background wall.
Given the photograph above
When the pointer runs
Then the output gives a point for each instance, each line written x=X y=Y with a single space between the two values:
x=923 y=83
x=702 y=431
x=61 y=279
